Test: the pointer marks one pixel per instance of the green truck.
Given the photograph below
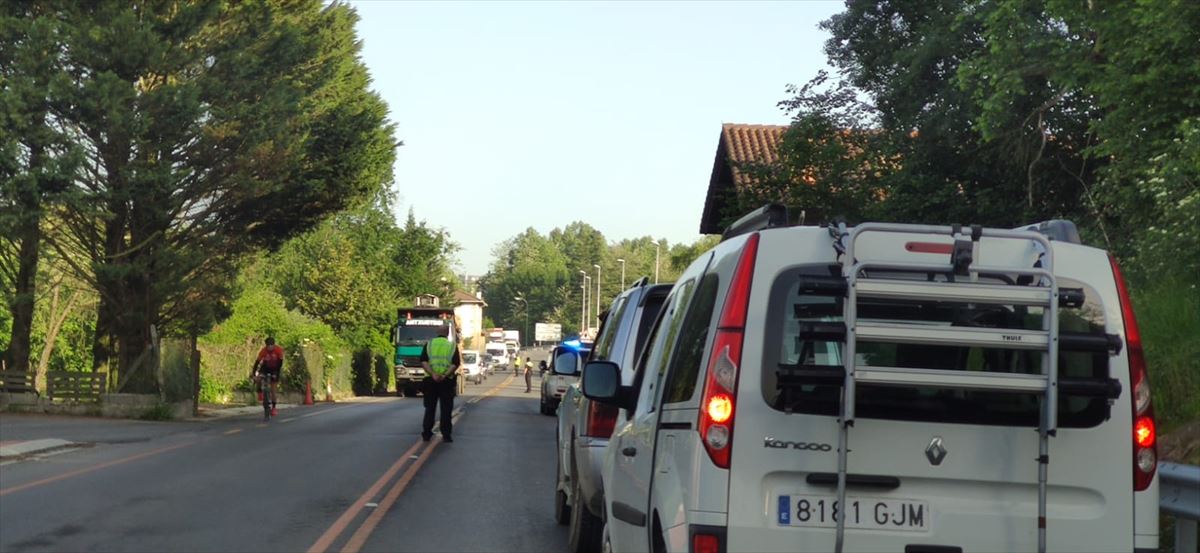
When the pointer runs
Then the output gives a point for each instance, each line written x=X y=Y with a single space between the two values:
x=415 y=327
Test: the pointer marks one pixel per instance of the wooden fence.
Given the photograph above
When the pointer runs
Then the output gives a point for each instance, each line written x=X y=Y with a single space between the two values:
x=75 y=386
x=17 y=382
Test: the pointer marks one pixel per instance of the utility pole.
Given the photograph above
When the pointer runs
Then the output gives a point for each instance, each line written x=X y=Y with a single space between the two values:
x=597 y=295
x=621 y=260
x=656 y=245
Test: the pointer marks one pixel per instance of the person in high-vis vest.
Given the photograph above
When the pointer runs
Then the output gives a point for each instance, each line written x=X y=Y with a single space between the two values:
x=441 y=361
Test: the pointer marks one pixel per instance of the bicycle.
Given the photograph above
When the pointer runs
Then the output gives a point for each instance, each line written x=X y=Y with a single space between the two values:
x=266 y=391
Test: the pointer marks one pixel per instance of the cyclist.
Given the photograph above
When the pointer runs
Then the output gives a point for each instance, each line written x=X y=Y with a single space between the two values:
x=269 y=364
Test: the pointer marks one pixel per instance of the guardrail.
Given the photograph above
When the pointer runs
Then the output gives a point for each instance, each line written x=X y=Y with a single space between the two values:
x=1179 y=496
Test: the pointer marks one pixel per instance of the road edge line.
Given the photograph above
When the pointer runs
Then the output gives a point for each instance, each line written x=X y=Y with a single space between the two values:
x=93 y=468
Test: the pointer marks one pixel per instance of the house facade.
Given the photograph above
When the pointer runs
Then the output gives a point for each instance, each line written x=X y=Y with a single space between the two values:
x=468 y=310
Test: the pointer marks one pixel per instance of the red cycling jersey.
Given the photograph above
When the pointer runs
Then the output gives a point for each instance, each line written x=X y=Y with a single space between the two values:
x=271 y=357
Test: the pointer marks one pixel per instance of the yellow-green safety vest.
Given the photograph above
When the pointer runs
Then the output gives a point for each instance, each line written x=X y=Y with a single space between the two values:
x=440 y=353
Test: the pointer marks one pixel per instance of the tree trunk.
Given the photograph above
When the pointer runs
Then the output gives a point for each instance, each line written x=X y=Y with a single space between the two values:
x=194 y=364
x=29 y=232
x=26 y=287
x=108 y=266
x=54 y=326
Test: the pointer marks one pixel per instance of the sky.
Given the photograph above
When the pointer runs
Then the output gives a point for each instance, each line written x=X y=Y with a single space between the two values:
x=538 y=114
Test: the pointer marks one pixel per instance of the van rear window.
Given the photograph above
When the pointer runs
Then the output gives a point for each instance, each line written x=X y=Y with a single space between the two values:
x=785 y=348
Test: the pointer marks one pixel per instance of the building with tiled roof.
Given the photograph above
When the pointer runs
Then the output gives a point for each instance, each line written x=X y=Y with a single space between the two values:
x=738 y=144
x=468 y=309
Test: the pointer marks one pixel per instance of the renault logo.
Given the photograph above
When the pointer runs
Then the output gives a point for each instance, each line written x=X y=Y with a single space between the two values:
x=935 y=451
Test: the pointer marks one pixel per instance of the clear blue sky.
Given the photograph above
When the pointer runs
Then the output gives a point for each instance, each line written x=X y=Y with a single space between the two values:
x=543 y=113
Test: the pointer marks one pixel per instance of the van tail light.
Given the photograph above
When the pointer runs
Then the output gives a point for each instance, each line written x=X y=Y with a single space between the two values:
x=1145 y=453
x=600 y=420
x=706 y=538
x=718 y=405
x=706 y=543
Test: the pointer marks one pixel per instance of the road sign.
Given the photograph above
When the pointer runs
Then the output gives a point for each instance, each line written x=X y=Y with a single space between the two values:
x=547 y=332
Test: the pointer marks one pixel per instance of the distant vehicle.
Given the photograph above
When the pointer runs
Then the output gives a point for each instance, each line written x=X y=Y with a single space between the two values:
x=513 y=337
x=886 y=387
x=415 y=327
x=498 y=353
x=584 y=426
x=566 y=363
x=472 y=366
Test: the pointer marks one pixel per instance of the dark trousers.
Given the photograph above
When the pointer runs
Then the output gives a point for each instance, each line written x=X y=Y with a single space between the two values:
x=528 y=379
x=434 y=393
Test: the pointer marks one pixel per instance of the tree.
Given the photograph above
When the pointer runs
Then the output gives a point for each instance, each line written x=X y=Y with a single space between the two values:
x=1120 y=83
x=937 y=164
x=210 y=131
x=36 y=158
x=352 y=271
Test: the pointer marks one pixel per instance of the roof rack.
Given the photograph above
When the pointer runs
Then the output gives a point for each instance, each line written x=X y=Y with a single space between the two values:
x=639 y=282
x=767 y=216
x=1042 y=291
x=1060 y=230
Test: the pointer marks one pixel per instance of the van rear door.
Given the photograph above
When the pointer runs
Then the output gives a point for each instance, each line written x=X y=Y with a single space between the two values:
x=927 y=467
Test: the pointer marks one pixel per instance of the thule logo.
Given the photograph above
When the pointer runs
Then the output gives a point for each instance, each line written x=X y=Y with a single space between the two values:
x=772 y=443
x=1011 y=337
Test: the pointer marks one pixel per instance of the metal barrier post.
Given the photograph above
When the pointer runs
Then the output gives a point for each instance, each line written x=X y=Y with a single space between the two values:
x=1179 y=496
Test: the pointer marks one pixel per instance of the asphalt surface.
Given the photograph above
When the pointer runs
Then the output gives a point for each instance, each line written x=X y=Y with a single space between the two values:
x=350 y=476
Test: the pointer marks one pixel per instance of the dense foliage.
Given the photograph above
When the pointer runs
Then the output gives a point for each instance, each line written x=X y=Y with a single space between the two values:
x=157 y=145
x=547 y=272
x=1005 y=112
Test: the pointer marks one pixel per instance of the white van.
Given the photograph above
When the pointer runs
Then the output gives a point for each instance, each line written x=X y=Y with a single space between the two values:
x=498 y=352
x=946 y=341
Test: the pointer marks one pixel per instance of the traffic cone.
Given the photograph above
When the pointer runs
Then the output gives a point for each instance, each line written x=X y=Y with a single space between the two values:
x=308 y=393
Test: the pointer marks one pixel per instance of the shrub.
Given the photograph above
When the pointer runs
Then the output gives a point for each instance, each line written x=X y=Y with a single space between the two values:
x=228 y=352
x=160 y=412
x=1168 y=312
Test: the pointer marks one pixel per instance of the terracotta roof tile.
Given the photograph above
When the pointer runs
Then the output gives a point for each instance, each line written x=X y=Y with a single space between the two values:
x=739 y=143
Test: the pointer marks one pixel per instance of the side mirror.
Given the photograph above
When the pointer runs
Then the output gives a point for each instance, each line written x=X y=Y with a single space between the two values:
x=602 y=382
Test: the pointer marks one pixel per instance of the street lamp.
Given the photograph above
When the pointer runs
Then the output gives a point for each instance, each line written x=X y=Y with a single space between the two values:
x=656 y=262
x=621 y=260
x=526 y=303
x=597 y=294
x=583 y=306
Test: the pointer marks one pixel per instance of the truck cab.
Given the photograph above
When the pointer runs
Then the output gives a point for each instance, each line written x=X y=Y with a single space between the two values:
x=415 y=327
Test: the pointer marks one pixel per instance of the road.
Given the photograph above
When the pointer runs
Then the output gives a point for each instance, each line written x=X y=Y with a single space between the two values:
x=350 y=476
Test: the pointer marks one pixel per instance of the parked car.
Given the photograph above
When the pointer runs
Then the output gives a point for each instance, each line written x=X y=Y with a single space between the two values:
x=472 y=366
x=566 y=363
x=948 y=342
x=487 y=363
x=584 y=426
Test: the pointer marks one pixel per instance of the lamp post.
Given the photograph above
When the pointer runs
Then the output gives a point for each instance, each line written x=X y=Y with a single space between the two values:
x=621 y=260
x=526 y=305
x=597 y=295
x=583 y=305
x=656 y=245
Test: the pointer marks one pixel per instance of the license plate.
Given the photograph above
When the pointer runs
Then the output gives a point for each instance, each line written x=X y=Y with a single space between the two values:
x=872 y=513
